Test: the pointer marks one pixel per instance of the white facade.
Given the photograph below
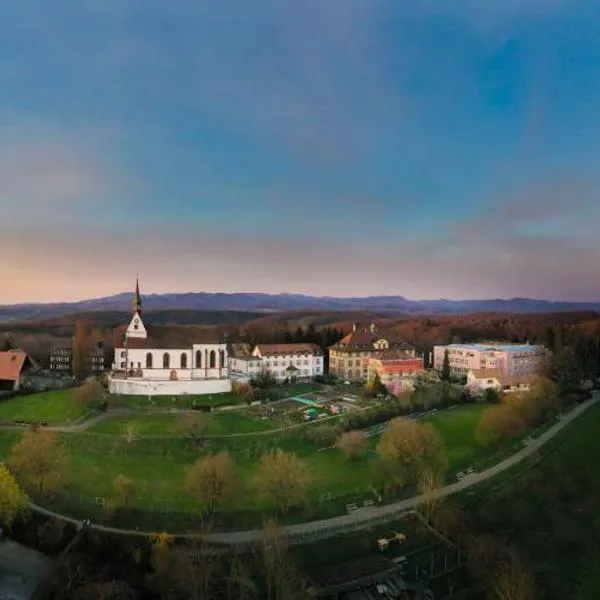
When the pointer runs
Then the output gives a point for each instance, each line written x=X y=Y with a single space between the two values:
x=141 y=368
x=479 y=380
x=283 y=361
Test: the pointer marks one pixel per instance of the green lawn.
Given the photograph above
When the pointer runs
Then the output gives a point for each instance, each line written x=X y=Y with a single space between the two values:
x=547 y=507
x=218 y=423
x=184 y=401
x=457 y=426
x=158 y=464
x=48 y=407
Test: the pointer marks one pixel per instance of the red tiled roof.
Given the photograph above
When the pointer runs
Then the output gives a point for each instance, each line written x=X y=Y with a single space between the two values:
x=287 y=349
x=11 y=364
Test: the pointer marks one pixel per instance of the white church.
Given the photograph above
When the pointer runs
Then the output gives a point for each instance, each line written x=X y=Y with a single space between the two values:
x=145 y=367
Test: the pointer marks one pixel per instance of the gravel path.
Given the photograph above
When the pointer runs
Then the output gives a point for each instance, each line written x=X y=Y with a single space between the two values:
x=364 y=516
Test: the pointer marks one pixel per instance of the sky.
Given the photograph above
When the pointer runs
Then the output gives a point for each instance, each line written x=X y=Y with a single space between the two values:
x=429 y=149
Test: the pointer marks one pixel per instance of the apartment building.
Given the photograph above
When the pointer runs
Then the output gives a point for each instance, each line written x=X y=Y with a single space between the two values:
x=396 y=370
x=508 y=359
x=61 y=357
x=297 y=361
x=348 y=359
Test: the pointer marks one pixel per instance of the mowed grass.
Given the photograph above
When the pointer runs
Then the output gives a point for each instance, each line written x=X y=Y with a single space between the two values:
x=458 y=426
x=220 y=423
x=158 y=466
x=49 y=407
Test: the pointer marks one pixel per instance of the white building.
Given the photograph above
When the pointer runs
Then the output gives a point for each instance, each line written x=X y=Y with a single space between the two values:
x=145 y=366
x=509 y=359
x=479 y=380
x=299 y=361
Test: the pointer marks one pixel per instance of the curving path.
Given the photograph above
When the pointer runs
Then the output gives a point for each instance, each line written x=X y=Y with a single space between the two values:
x=364 y=516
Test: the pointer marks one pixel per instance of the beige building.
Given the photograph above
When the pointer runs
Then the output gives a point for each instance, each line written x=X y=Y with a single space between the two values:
x=349 y=358
x=509 y=359
x=479 y=380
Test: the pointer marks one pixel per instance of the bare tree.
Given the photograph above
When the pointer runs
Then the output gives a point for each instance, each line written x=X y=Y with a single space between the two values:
x=39 y=462
x=499 y=424
x=90 y=394
x=513 y=581
x=429 y=485
x=283 y=581
x=128 y=437
x=211 y=480
x=81 y=352
x=406 y=449
x=282 y=477
x=352 y=444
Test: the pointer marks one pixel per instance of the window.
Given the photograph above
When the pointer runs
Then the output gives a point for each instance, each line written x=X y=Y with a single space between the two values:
x=221 y=358
x=212 y=360
x=149 y=360
x=123 y=354
x=166 y=360
x=184 y=361
x=198 y=359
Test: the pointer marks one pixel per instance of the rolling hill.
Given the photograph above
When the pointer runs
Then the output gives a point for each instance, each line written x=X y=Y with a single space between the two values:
x=275 y=303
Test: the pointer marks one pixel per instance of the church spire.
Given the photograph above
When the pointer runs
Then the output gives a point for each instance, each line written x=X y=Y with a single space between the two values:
x=137 y=299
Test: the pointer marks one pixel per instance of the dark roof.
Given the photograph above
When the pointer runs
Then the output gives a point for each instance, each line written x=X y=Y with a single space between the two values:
x=286 y=349
x=363 y=338
x=239 y=350
x=181 y=343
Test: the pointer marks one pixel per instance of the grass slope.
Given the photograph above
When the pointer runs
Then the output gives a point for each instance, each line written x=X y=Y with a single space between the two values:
x=48 y=407
x=548 y=508
x=158 y=465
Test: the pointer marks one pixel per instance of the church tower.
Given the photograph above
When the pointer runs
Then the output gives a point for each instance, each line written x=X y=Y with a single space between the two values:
x=136 y=327
x=137 y=299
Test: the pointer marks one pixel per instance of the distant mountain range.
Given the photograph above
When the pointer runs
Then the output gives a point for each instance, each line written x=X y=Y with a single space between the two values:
x=271 y=303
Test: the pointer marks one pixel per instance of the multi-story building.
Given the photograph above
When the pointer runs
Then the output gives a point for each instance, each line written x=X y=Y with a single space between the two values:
x=61 y=357
x=396 y=370
x=298 y=361
x=509 y=359
x=347 y=358
x=242 y=364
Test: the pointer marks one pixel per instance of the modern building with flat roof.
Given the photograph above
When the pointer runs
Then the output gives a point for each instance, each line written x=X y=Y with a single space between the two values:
x=508 y=359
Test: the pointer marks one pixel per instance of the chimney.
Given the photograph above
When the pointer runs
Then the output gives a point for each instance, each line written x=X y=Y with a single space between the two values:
x=353 y=326
x=372 y=328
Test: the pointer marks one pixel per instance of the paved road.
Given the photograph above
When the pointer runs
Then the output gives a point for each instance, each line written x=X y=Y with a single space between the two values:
x=366 y=515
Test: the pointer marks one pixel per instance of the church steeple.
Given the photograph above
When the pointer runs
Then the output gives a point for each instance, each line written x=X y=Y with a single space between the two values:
x=137 y=299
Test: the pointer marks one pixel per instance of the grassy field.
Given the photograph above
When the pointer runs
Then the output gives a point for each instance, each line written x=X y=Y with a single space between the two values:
x=159 y=465
x=59 y=407
x=548 y=508
x=220 y=423
x=49 y=407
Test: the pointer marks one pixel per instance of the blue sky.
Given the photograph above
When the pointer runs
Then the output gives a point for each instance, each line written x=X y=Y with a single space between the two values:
x=362 y=147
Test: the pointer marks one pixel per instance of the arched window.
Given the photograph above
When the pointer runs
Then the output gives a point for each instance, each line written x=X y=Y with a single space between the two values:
x=212 y=360
x=198 y=359
x=221 y=358
x=149 y=360
x=166 y=360
x=184 y=361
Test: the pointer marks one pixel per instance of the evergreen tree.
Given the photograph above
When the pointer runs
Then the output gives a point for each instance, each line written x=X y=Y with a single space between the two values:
x=446 y=367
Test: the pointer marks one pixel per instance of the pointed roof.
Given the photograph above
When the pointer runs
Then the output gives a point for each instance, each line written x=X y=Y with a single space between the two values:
x=137 y=299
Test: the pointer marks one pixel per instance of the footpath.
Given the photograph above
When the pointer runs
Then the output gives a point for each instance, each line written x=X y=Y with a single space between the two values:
x=364 y=517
